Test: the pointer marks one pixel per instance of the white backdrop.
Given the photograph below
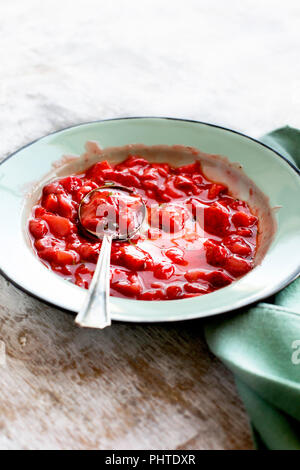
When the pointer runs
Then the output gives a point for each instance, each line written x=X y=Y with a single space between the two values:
x=234 y=63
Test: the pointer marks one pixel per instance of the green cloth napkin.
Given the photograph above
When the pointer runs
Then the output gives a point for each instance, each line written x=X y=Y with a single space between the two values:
x=261 y=346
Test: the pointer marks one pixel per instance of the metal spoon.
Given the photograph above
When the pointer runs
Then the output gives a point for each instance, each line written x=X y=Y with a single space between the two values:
x=95 y=310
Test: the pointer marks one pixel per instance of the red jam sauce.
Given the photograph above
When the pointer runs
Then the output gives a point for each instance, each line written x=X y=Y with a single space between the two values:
x=196 y=238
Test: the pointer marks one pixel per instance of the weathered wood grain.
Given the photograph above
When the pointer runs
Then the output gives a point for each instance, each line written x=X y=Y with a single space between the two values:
x=127 y=387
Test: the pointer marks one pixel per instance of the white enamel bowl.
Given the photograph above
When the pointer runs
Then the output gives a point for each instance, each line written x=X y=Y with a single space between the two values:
x=278 y=179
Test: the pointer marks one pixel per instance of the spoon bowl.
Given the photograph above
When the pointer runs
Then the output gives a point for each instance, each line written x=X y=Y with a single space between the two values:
x=116 y=233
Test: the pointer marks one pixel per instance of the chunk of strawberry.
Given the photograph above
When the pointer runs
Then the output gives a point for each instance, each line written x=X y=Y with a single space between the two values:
x=98 y=169
x=152 y=184
x=238 y=205
x=65 y=207
x=194 y=275
x=135 y=259
x=38 y=228
x=176 y=255
x=133 y=160
x=130 y=287
x=48 y=254
x=219 y=278
x=83 y=276
x=53 y=188
x=151 y=173
x=237 y=266
x=59 y=257
x=116 y=254
x=237 y=245
x=39 y=212
x=189 y=169
x=195 y=288
x=150 y=194
x=226 y=200
x=163 y=169
x=89 y=252
x=174 y=292
x=162 y=196
x=66 y=257
x=216 y=219
x=244 y=232
x=85 y=189
x=172 y=191
x=163 y=270
x=241 y=219
x=215 y=190
x=157 y=285
x=73 y=242
x=198 y=180
x=50 y=203
x=216 y=254
x=125 y=178
x=152 y=294
x=185 y=183
x=71 y=184
x=59 y=226
x=49 y=242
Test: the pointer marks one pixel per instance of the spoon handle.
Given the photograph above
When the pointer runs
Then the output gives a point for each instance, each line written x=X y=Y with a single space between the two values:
x=95 y=310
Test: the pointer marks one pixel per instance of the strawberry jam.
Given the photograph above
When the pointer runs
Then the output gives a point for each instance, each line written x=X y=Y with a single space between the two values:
x=196 y=238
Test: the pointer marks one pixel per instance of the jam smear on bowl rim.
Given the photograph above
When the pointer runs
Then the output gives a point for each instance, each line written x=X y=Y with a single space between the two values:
x=198 y=238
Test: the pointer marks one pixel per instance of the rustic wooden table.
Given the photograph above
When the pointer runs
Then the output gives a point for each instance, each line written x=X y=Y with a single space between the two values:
x=130 y=386
x=127 y=387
